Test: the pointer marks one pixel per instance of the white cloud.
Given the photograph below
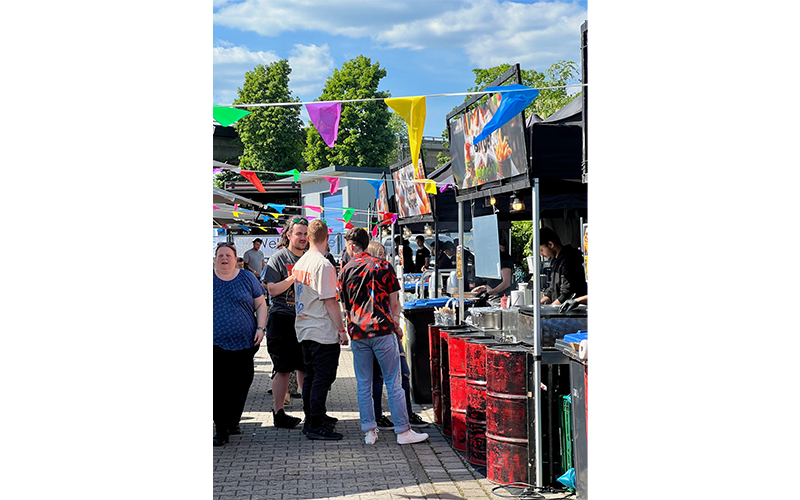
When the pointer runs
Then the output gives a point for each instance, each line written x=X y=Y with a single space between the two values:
x=489 y=32
x=310 y=65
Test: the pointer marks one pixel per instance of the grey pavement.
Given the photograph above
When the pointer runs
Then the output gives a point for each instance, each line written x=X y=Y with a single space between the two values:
x=266 y=462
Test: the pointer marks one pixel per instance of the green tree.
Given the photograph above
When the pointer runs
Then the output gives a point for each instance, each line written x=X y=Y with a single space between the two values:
x=365 y=139
x=400 y=147
x=273 y=137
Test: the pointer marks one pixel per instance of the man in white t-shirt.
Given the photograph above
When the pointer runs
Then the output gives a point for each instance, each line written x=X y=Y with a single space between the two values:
x=320 y=330
x=254 y=258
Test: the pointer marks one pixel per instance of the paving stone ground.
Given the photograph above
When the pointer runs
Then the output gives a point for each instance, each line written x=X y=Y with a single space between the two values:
x=268 y=463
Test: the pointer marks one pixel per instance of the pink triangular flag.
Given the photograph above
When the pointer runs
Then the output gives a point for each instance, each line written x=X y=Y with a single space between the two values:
x=334 y=183
x=312 y=207
x=279 y=229
x=375 y=231
x=325 y=117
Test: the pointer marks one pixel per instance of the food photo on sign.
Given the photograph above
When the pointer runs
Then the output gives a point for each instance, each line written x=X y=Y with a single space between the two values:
x=499 y=156
x=412 y=199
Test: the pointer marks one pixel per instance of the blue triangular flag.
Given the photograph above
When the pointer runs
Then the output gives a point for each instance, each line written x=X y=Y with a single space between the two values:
x=277 y=207
x=511 y=104
x=377 y=185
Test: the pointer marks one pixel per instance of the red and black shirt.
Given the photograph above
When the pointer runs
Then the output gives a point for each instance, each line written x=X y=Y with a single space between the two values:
x=365 y=285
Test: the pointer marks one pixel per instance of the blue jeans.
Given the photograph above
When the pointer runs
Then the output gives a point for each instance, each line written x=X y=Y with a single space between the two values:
x=384 y=348
x=377 y=382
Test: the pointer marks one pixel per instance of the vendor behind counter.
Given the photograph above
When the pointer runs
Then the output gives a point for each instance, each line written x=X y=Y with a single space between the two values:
x=499 y=288
x=566 y=262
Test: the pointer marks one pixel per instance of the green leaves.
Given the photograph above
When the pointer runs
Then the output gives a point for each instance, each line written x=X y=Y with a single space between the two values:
x=273 y=137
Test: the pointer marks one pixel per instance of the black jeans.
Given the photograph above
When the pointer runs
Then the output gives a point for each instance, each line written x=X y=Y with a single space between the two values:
x=233 y=375
x=321 y=361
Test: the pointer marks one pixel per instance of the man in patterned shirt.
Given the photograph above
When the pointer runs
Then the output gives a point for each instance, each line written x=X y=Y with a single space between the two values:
x=366 y=289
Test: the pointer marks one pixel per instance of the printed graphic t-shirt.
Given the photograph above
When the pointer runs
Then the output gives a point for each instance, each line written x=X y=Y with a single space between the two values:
x=279 y=268
x=315 y=280
x=365 y=284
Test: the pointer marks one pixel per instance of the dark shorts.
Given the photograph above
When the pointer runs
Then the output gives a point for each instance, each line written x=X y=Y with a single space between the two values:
x=282 y=344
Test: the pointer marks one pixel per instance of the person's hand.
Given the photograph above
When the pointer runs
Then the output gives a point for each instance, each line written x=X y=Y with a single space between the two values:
x=343 y=338
x=545 y=300
x=290 y=279
x=398 y=329
x=479 y=289
x=567 y=306
x=259 y=336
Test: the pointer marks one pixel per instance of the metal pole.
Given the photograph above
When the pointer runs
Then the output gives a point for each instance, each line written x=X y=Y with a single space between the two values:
x=537 y=339
x=460 y=249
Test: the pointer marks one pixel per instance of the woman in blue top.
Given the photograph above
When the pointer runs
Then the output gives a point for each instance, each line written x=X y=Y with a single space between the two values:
x=240 y=314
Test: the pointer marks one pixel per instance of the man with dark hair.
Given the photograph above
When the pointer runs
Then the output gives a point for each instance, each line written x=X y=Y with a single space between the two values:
x=446 y=258
x=282 y=344
x=423 y=256
x=567 y=278
x=320 y=330
x=366 y=289
x=407 y=254
x=254 y=258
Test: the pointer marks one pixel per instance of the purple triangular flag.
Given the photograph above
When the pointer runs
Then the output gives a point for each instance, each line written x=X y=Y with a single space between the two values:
x=325 y=117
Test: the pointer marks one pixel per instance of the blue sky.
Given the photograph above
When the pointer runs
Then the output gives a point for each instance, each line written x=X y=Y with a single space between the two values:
x=426 y=47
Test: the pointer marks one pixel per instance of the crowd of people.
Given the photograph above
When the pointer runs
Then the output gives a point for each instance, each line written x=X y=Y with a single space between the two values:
x=312 y=313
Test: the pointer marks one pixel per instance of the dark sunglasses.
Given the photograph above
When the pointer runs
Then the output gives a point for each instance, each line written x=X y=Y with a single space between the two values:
x=225 y=244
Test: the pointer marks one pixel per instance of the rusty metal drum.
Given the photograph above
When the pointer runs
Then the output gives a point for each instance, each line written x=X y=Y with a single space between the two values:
x=476 y=399
x=456 y=346
x=507 y=413
x=444 y=364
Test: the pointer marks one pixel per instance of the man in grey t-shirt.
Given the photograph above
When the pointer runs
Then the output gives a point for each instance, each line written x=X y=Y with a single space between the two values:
x=282 y=344
x=254 y=258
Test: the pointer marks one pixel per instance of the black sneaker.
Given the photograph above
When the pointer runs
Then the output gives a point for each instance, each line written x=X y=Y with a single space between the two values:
x=235 y=430
x=331 y=426
x=220 y=439
x=384 y=423
x=324 y=433
x=284 y=421
x=329 y=419
x=416 y=421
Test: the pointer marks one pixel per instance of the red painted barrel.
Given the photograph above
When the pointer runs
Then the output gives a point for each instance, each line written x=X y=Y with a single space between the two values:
x=456 y=346
x=476 y=399
x=436 y=374
x=444 y=364
x=506 y=414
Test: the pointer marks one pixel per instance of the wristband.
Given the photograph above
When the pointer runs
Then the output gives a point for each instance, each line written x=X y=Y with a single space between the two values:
x=342 y=331
x=260 y=328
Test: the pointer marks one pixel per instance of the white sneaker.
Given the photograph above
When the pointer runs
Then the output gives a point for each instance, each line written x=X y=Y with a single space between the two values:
x=371 y=436
x=410 y=437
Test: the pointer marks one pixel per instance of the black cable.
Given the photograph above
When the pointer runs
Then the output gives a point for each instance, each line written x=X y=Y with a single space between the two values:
x=529 y=492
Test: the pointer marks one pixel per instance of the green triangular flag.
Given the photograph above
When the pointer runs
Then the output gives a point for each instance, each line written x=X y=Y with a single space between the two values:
x=228 y=116
x=293 y=172
x=348 y=213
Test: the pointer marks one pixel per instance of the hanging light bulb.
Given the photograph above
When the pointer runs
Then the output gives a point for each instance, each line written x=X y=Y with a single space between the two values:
x=517 y=205
x=384 y=232
x=406 y=232
x=428 y=230
x=492 y=200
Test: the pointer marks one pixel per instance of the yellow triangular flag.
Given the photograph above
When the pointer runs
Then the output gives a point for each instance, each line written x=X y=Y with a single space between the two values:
x=430 y=187
x=412 y=110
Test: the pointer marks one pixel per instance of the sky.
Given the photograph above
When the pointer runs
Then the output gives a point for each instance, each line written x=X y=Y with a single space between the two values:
x=427 y=47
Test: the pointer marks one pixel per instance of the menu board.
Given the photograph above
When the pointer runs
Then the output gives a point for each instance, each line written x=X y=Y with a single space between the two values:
x=412 y=199
x=499 y=156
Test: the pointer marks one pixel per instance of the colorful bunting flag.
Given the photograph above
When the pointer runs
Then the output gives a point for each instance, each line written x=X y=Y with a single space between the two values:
x=277 y=207
x=511 y=104
x=312 y=207
x=348 y=214
x=216 y=207
x=348 y=225
x=375 y=231
x=334 y=183
x=377 y=185
x=293 y=172
x=228 y=116
x=253 y=178
x=412 y=110
x=325 y=117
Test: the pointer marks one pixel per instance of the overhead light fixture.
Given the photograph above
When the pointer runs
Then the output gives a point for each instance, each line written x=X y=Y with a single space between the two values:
x=384 y=232
x=517 y=205
x=428 y=230
x=406 y=232
x=492 y=200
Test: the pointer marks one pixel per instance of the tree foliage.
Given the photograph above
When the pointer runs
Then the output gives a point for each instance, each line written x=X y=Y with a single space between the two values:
x=273 y=137
x=365 y=138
